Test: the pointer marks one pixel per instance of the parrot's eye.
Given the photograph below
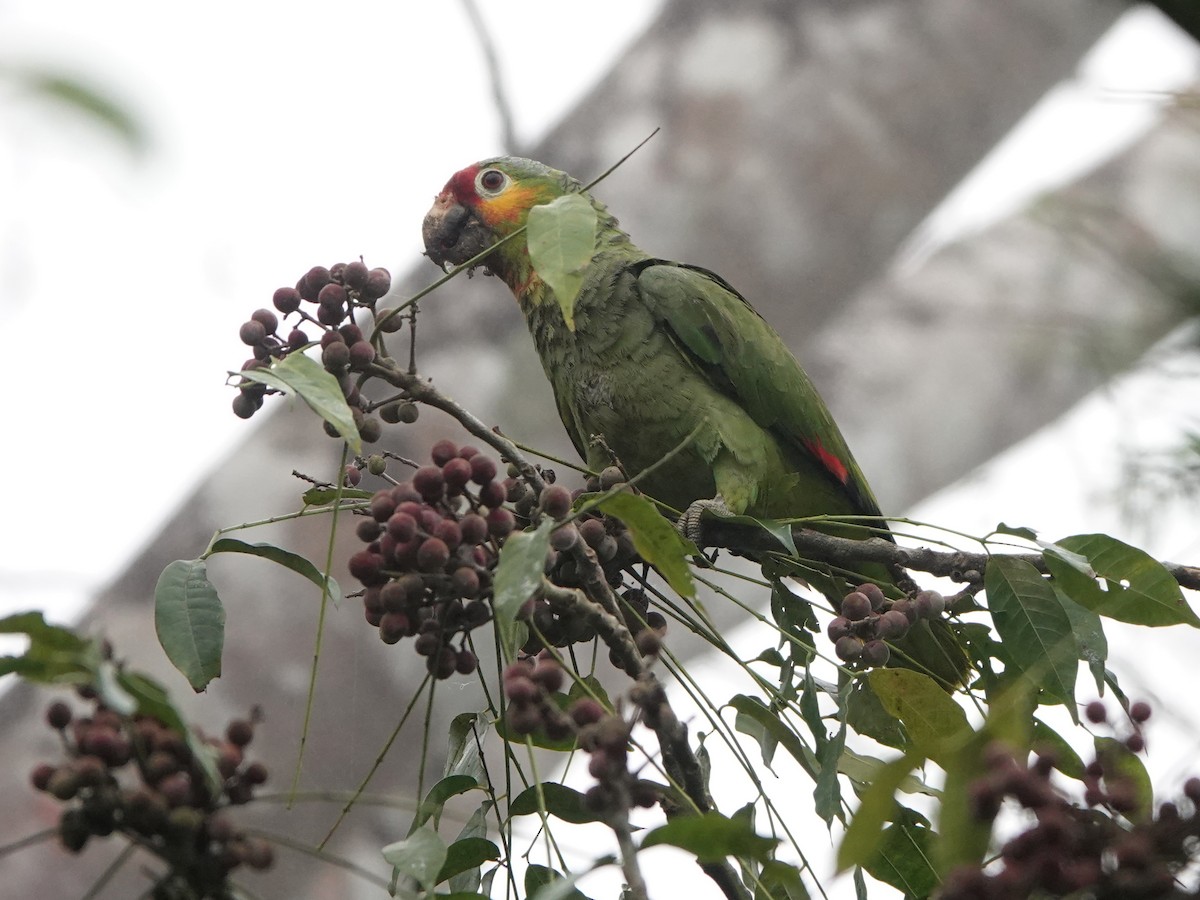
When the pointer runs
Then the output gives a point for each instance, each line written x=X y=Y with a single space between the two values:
x=492 y=180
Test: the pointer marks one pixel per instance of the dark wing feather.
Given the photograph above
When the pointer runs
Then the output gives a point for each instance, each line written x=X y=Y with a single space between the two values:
x=746 y=359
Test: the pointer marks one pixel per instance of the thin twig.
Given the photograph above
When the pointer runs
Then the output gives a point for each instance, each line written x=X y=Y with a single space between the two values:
x=958 y=565
x=491 y=61
x=423 y=391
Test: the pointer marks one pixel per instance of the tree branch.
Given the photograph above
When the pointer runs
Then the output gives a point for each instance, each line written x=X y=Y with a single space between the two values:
x=958 y=565
x=423 y=391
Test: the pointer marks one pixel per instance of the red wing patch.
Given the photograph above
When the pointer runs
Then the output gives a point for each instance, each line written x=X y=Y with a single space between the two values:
x=834 y=465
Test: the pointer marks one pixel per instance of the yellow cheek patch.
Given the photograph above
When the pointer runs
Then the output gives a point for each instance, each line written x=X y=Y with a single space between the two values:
x=510 y=205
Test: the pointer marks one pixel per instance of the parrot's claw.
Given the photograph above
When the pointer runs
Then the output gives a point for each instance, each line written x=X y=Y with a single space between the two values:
x=689 y=523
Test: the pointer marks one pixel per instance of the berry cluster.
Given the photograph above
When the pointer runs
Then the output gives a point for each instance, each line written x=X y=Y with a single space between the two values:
x=530 y=685
x=432 y=543
x=869 y=621
x=337 y=293
x=613 y=547
x=137 y=776
x=1086 y=849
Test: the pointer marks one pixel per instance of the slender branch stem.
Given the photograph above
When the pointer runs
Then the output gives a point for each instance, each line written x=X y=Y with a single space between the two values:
x=959 y=565
x=423 y=391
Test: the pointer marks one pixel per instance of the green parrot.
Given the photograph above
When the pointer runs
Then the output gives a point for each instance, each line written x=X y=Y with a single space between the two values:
x=676 y=372
x=660 y=351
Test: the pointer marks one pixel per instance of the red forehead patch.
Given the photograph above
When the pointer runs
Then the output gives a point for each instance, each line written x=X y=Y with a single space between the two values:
x=462 y=184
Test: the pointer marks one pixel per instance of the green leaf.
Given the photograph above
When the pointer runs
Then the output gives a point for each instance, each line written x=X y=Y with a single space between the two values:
x=561 y=801
x=285 y=558
x=54 y=655
x=1046 y=738
x=470 y=879
x=827 y=794
x=712 y=837
x=465 y=854
x=84 y=98
x=1119 y=761
x=462 y=752
x=561 y=236
x=435 y=800
x=779 y=881
x=866 y=715
x=1020 y=531
x=864 y=771
x=1136 y=587
x=756 y=719
x=781 y=531
x=420 y=856
x=934 y=722
x=904 y=855
x=518 y=577
x=543 y=883
x=656 y=539
x=1035 y=632
x=112 y=692
x=865 y=831
x=304 y=376
x=1090 y=641
x=190 y=621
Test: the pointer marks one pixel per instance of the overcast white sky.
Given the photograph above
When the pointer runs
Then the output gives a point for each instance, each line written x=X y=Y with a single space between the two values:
x=284 y=134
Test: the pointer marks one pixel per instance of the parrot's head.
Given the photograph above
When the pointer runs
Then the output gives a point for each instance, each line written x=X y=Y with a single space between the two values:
x=488 y=201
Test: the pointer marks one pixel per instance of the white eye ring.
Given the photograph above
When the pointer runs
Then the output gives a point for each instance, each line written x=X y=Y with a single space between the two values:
x=491 y=181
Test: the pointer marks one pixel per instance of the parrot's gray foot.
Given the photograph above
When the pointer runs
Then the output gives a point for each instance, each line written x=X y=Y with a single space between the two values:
x=689 y=523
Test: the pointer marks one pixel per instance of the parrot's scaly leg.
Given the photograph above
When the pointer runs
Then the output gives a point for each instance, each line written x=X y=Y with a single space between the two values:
x=689 y=523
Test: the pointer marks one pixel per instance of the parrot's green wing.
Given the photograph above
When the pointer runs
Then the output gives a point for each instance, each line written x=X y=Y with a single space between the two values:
x=744 y=357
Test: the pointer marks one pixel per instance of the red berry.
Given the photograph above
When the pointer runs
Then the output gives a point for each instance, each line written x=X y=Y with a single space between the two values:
x=240 y=732
x=379 y=282
x=335 y=357
x=492 y=494
x=310 y=285
x=443 y=451
x=856 y=606
x=483 y=468
x=394 y=626
x=432 y=555
x=362 y=354
x=549 y=674
x=465 y=581
x=286 y=300
x=252 y=333
x=41 y=775
x=473 y=528
x=848 y=648
x=556 y=501
x=367 y=567
x=837 y=628
x=58 y=715
x=266 y=318
x=402 y=526
x=429 y=482
x=354 y=276
x=500 y=522
x=456 y=472
x=448 y=531
x=332 y=295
